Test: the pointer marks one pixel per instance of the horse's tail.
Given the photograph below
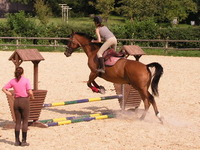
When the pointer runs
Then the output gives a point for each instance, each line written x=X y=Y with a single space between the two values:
x=156 y=77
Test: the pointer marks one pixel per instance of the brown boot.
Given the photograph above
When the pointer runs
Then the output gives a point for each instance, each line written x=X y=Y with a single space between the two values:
x=24 y=143
x=17 y=141
x=101 y=68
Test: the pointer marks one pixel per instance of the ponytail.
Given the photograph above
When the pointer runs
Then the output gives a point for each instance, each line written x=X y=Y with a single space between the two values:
x=18 y=73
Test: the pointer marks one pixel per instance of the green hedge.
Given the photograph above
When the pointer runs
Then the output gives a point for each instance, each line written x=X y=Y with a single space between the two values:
x=181 y=34
x=19 y=25
x=150 y=30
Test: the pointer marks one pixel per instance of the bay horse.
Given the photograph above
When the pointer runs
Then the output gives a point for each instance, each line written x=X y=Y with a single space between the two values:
x=125 y=71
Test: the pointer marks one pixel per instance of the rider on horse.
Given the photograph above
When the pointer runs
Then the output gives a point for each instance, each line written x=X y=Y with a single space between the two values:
x=102 y=32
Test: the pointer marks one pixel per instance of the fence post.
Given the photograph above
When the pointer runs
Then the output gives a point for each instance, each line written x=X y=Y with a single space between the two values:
x=17 y=42
x=55 y=43
x=132 y=42
x=166 y=45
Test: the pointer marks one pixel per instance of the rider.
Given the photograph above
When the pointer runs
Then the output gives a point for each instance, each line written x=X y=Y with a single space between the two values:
x=102 y=32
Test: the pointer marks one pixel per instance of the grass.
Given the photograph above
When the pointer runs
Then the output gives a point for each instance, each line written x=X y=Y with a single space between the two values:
x=162 y=52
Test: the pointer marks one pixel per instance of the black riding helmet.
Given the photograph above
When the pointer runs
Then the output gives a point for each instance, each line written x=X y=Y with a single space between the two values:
x=97 y=19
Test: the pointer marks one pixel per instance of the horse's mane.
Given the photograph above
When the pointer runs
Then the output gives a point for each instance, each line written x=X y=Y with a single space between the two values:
x=89 y=37
x=85 y=35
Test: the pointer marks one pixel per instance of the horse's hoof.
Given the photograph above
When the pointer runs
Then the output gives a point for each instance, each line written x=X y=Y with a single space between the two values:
x=102 y=90
x=161 y=120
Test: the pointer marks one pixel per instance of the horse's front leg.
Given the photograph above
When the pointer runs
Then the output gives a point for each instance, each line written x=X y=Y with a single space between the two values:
x=92 y=77
x=101 y=89
x=93 y=85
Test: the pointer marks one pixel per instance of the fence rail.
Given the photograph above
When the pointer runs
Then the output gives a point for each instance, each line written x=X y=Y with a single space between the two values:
x=56 y=44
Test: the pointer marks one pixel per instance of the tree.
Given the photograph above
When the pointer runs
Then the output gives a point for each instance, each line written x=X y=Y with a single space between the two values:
x=104 y=6
x=169 y=9
x=160 y=10
x=21 y=1
x=139 y=9
x=43 y=11
x=79 y=7
x=163 y=10
x=196 y=16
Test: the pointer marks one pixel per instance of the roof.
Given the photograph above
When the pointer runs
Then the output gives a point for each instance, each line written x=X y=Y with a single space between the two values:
x=26 y=55
x=133 y=50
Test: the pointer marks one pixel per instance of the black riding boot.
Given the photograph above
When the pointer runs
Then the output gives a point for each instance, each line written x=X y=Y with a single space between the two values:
x=17 y=141
x=101 y=65
x=24 y=143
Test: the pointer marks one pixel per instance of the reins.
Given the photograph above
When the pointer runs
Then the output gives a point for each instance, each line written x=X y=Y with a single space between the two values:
x=74 y=41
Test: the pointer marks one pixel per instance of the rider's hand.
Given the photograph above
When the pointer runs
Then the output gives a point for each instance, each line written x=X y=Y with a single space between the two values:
x=95 y=41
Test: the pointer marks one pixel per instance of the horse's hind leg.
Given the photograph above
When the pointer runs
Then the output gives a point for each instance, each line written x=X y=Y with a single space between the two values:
x=153 y=102
x=144 y=96
x=149 y=99
x=146 y=107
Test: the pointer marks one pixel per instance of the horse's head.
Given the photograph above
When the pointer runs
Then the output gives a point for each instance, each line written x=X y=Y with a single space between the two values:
x=76 y=40
x=72 y=45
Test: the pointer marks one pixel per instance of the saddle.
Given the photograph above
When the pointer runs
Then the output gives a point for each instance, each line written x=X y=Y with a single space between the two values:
x=111 y=56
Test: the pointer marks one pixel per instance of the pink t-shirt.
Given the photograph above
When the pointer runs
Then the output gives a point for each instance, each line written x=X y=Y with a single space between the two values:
x=20 y=88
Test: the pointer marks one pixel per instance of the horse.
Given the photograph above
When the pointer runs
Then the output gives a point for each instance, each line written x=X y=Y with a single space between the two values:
x=125 y=71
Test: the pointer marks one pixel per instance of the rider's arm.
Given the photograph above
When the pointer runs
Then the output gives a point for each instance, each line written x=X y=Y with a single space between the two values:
x=98 y=36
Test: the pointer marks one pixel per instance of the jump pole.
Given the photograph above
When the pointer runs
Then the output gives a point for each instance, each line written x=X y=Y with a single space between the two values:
x=71 y=118
x=79 y=119
x=83 y=101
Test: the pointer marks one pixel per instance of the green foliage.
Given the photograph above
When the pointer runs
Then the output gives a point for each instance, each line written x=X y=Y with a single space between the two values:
x=43 y=11
x=137 y=9
x=168 y=10
x=161 y=10
x=181 y=34
x=147 y=29
x=5 y=30
x=104 y=6
x=20 y=25
x=119 y=31
x=21 y=1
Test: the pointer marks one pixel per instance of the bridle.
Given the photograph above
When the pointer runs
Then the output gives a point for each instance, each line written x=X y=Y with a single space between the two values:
x=74 y=40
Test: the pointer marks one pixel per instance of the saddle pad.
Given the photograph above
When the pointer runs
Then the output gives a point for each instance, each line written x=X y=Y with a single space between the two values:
x=111 y=61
